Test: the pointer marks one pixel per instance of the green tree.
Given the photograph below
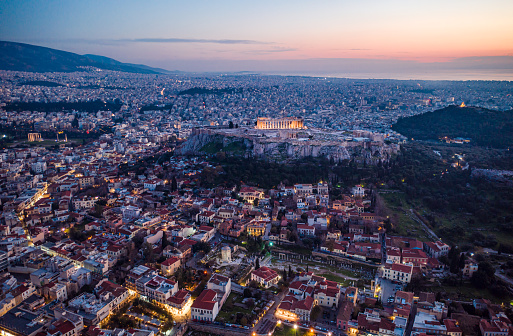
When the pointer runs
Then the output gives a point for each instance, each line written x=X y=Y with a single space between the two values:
x=149 y=254
x=174 y=184
x=484 y=276
x=164 y=240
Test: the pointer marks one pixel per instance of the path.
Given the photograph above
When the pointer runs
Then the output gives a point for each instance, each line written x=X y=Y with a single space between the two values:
x=426 y=228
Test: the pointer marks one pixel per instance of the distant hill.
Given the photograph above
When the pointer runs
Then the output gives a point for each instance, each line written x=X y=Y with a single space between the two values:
x=26 y=57
x=484 y=127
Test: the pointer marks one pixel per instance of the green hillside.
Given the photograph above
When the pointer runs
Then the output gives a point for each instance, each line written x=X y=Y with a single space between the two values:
x=484 y=127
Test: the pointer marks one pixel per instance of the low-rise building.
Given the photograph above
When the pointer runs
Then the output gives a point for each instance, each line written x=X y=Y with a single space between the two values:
x=265 y=276
x=205 y=307
x=398 y=272
x=170 y=266
x=428 y=324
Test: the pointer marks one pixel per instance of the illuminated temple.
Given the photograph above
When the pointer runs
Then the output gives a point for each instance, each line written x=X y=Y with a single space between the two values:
x=281 y=123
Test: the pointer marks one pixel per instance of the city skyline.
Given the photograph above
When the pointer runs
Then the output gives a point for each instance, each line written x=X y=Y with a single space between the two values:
x=332 y=36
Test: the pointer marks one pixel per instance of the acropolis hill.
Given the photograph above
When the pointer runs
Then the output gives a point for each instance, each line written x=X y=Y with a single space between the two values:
x=288 y=138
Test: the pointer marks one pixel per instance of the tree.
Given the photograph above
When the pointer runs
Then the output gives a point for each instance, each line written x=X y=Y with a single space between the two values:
x=331 y=245
x=230 y=125
x=316 y=312
x=174 y=184
x=257 y=263
x=149 y=255
x=164 y=240
x=388 y=225
x=293 y=236
x=247 y=293
x=461 y=262
x=484 y=276
x=201 y=246
x=74 y=123
x=98 y=210
x=290 y=272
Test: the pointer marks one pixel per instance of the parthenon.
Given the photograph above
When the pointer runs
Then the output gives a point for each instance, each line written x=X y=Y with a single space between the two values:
x=281 y=123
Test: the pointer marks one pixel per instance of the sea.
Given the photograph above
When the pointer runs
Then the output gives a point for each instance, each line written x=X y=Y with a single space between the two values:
x=474 y=75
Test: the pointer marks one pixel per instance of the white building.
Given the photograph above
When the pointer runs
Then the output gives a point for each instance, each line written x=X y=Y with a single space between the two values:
x=358 y=191
x=205 y=307
x=38 y=167
x=130 y=212
x=398 y=272
x=265 y=276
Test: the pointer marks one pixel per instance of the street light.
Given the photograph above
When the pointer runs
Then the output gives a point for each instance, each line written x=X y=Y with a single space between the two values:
x=295 y=329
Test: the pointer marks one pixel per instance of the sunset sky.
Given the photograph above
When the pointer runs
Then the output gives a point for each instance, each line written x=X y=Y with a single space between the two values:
x=248 y=35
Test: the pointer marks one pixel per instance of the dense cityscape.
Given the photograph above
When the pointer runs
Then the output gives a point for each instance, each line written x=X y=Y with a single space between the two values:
x=119 y=217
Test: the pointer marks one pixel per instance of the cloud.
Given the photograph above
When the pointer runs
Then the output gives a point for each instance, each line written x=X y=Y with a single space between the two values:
x=271 y=50
x=351 y=49
x=189 y=40
x=154 y=40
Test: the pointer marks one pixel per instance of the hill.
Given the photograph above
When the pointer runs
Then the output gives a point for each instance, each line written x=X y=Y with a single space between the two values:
x=484 y=127
x=26 y=57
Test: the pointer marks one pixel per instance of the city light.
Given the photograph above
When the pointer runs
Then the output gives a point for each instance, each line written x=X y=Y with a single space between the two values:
x=131 y=183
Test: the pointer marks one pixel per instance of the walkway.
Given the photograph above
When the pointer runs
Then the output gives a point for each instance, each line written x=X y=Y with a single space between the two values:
x=426 y=228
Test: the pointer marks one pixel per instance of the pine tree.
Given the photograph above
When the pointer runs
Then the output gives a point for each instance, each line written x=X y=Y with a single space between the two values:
x=174 y=184
x=257 y=263
x=164 y=240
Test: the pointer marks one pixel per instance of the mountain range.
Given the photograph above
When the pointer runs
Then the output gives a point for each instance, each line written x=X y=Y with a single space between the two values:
x=26 y=57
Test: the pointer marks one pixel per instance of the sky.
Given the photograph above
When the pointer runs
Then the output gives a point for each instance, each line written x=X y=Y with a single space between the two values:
x=296 y=35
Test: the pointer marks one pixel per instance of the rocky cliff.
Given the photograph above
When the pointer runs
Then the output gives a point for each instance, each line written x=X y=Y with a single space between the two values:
x=283 y=149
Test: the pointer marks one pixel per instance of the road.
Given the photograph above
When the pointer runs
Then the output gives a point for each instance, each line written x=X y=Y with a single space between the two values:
x=411 y=319
x=270 y=313
x=504 y=278
x=316 y=330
